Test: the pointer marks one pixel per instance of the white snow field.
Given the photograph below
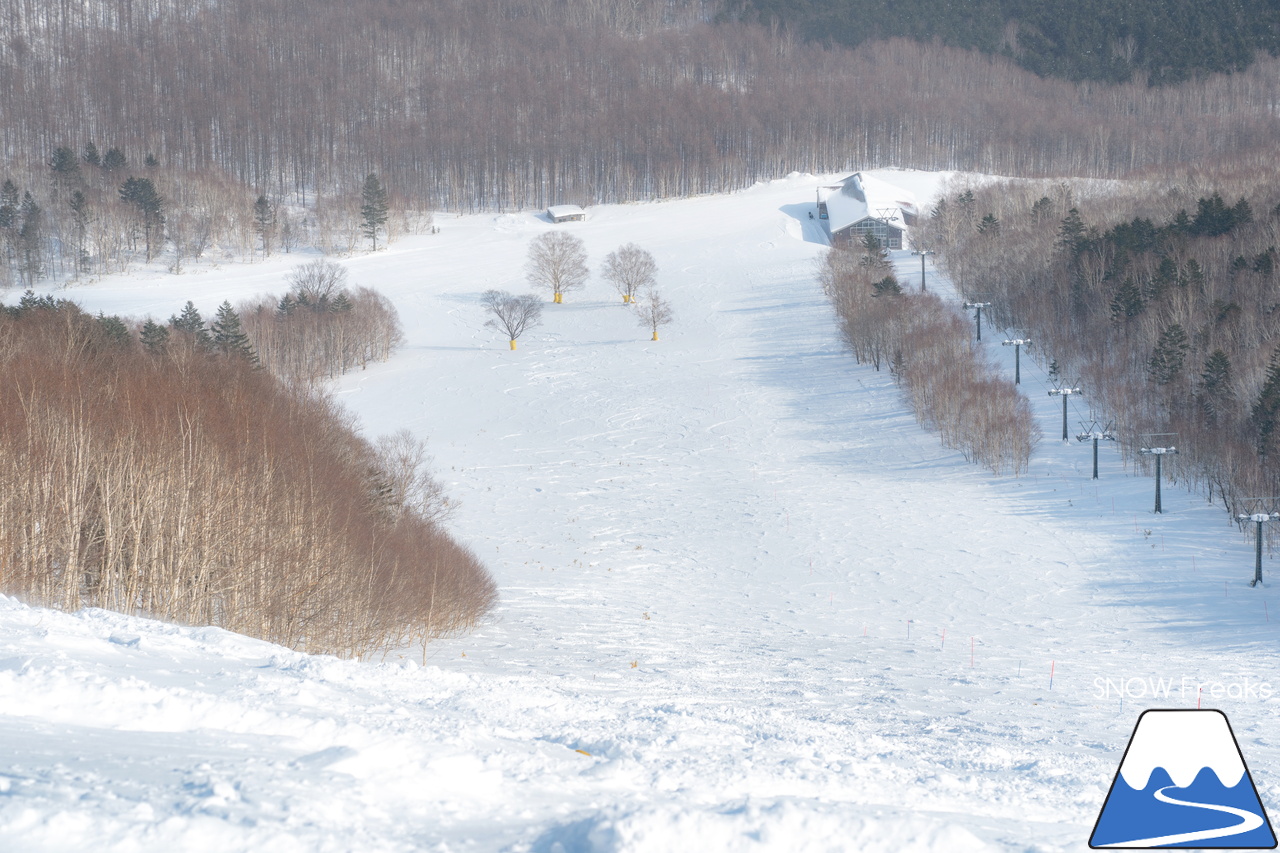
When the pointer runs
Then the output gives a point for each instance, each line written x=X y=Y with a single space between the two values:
x=747 y=604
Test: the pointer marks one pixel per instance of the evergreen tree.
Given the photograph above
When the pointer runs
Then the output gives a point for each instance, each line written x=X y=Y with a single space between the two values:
x=875 y=256
x=80 y=229
x=66 y=168
x=1214 y=393
x=191 y=323
x=150 y=161
x=91 y=155
x=31 y=239
x=1166 y=277
x=264 y=222
x=153 y=335
x=1265 y=416
x=8 y=204
x=1181 y=223
x=887 y=286
x=141 y=193
x=117 y=332
x=1169 y=355
x=1127 y=302
x=989 y=225
x=964 y=203
x=1193 y=276
x=1213 y=217
x=375 y=208
x=114 y=160
x=1241 y=213
x=1071 y=233
x=229 y=336
x=30 y=302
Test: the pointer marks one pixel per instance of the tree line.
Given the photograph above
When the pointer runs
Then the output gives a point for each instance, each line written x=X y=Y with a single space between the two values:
x=1115 y=41
x=321 y=328
x=176 y=479
x=1159 y=297
x=258 y=122
x=925 y=343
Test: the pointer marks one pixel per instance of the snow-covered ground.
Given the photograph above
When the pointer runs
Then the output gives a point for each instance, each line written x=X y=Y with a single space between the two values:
x=746 y=603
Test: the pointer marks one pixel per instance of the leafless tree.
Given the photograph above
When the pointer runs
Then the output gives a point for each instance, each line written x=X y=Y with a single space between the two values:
x=513 y=315
x=406 y=483
x=950 y=387
x=332 y=108
x=317 y=283
x=653 y=311
x=630 y=269
x=557 y=262
x=170 y=481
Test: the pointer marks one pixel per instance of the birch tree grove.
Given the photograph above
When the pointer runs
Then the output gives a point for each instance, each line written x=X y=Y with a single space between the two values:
x=171 y=481
x=952 y=388
x=321 y=328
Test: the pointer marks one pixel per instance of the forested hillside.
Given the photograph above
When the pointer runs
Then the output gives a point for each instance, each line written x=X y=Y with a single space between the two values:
x=165 y=131
x=1159 y=298
x=164 y=474
x=1161 y=41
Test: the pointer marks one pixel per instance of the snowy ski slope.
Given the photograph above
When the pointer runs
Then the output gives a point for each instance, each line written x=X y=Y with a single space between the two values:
x=746 y=603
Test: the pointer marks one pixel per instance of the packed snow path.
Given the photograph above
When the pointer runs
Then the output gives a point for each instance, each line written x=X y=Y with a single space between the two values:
x=746 y=603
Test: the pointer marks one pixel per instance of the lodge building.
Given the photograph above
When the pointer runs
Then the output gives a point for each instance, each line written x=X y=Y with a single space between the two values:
x=861 y=205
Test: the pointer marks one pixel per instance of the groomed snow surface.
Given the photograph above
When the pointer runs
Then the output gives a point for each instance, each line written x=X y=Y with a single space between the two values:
x=746 y=603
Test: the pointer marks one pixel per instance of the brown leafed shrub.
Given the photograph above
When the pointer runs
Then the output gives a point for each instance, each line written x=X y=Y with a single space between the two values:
x=191 y=487
x=320 y=329
x=951 y=387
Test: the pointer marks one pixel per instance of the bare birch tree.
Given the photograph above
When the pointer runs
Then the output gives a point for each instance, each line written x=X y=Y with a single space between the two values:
x=557 y=262
x=318 y=282
x=630 y=269
x=512 y=314
x=653 y=311
x=169 y=481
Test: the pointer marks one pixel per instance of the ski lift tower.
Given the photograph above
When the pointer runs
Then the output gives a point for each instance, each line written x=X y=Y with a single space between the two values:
x=1259 y=518
x=1097 y=434
x=1159 y=453
x=922 y=253
x=1064 y=393
x=979 y=306
x=1018 y=344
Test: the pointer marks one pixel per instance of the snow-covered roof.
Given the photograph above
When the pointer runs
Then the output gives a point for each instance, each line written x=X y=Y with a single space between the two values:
x=859 y=196
x=559 y=211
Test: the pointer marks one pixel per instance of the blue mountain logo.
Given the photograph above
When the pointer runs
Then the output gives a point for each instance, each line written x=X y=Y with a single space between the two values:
x=1183 y=783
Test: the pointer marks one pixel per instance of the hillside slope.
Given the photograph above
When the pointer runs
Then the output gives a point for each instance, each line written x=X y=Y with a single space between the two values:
x=746 y=603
